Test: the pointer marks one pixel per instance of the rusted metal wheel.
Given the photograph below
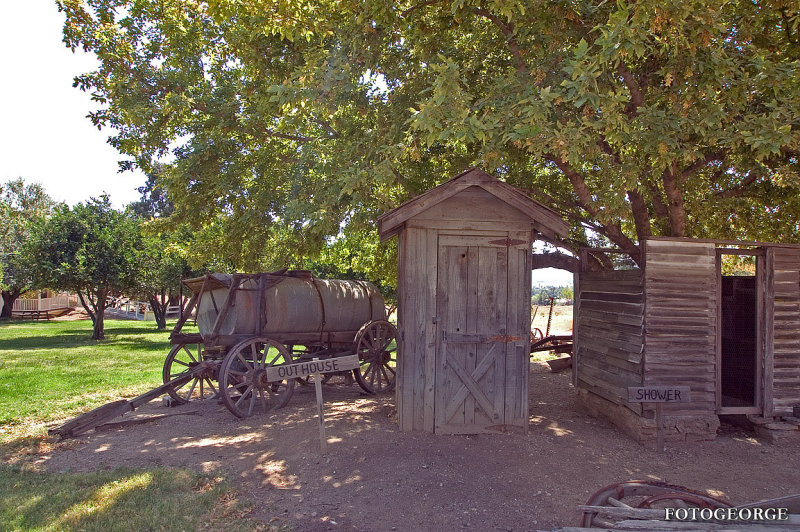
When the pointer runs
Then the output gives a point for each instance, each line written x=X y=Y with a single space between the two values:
x=644 y=494
x=376 y=347
x=243 y=381
x=187 y=358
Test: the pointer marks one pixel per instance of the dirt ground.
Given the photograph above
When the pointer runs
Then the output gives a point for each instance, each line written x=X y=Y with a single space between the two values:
x=377 y=478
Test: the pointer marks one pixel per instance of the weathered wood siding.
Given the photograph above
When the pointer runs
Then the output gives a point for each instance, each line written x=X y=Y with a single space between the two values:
x=416 y=300
x=680 y=321
x=786 y=329
x=472 y=212
x=608 y=342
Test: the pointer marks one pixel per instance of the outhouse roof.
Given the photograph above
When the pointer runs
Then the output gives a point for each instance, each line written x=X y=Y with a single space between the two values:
x=544 y=219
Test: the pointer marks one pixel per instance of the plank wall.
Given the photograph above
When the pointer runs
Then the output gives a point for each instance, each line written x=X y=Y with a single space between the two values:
x=608 y=343
x=417 y=331
x=786 y=336
x=680 y=321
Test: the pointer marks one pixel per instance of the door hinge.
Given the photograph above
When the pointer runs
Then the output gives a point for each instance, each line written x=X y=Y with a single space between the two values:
x=507 y=242
x=505 y=338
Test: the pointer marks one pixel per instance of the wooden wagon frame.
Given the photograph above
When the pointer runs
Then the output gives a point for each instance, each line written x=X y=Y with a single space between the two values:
x=238 y=362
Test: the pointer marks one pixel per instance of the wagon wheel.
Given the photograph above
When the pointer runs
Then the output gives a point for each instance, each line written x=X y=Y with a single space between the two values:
x=187 y=358
x=243 y=377
x=376 y=347
x=645 y=494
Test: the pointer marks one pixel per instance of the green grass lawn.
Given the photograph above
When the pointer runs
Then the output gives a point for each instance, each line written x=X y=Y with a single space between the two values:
x=52 y=371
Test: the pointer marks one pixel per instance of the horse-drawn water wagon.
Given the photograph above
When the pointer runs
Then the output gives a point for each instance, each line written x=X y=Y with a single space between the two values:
x=247 y=323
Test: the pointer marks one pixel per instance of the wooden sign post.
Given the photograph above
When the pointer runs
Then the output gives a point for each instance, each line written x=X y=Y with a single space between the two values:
x=659 y=395
x=317 y=368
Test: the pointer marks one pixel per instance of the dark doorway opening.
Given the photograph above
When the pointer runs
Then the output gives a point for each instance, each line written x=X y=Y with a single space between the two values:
x=739 y=370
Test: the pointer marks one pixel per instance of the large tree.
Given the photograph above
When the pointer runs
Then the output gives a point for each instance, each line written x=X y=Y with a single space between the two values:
x=290 y=121
x=90 y=249
x=21 y=206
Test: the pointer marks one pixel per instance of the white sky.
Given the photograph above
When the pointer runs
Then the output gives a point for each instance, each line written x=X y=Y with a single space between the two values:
x=45 y=136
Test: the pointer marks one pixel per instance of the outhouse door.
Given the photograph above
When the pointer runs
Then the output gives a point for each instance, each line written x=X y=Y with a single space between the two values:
x=472 y=307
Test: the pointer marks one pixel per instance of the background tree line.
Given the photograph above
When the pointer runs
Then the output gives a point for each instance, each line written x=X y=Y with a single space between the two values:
x=90 y=249
x=540 y=295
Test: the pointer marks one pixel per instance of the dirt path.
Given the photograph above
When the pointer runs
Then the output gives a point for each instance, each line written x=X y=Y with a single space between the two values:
x=377 y=478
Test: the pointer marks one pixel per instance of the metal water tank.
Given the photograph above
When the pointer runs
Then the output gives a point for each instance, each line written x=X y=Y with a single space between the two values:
x=294 y=302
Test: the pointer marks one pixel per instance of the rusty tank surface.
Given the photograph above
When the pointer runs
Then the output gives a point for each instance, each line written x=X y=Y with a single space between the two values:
x=292 y=303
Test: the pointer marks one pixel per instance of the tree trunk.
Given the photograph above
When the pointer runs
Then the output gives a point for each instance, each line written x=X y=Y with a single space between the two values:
x=9 y=296
x=159 y=311
x=96 y=310
x=99 y=333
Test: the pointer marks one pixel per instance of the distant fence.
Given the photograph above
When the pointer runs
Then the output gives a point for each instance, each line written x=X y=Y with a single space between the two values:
x=138 y=310
x=47 y=303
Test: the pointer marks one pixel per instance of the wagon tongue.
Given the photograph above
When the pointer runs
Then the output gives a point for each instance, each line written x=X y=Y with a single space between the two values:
x=102 y=414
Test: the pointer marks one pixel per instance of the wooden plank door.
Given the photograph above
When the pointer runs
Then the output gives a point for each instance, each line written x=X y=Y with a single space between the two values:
x=472 y=296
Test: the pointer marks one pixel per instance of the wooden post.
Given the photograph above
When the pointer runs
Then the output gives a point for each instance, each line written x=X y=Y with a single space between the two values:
x=317 y=368
x=658 y=395
x=323 y=441
x=659 y=428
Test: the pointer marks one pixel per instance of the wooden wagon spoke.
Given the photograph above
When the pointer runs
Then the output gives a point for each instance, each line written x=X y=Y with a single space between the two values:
x=182 y=363
x=239 y=385
x=247 y=391
x=191 y=390
x=252 y=404
x=190 y=354
x=383 y=371
x=211 y=385
x=243 y=360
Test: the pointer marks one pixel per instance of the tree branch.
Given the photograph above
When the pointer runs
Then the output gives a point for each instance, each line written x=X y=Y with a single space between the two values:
x=417 y=6
x=659 y=206
x=675 y=206
x=637 y=96
x=86 y=306
x=612 y=230
x=693 y=168
x=511 y=38
x=554 y=260
x=741 y=189
x=327 y=127
x=641 y=218
x=608 y=150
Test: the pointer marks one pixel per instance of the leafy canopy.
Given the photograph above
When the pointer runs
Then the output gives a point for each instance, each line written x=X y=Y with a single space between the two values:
x=89 y=249
x=288 y=123
x=21 y=206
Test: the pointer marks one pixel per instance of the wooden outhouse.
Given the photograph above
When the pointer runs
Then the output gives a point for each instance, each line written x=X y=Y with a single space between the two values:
x=464 y=281
x=684 y=319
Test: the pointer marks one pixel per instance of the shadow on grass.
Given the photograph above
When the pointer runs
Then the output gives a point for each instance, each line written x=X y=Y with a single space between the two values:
x=120 y=499
x=47 y=338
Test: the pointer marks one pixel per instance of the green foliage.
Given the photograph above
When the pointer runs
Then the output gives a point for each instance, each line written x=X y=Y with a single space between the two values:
x=540 y=295
x=292 y=122
x=161 y=265
x=21 y=206
x=89 y=249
